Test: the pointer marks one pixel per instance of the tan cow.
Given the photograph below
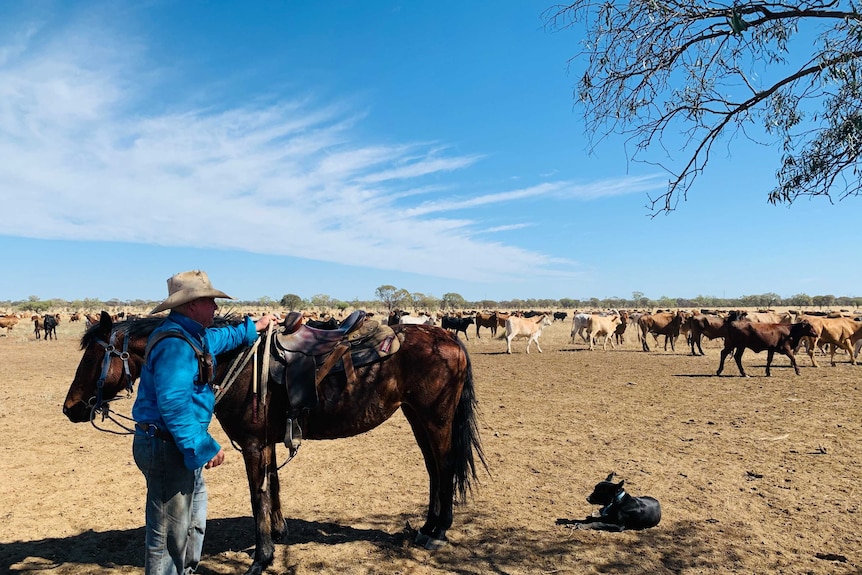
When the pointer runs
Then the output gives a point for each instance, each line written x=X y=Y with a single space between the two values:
x=841 y=332
x=8 y=322
x=526 y=327
x=769 y=317
x=602 y=325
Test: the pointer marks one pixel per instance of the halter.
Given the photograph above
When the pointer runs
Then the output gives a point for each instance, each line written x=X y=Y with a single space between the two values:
x=100 y=404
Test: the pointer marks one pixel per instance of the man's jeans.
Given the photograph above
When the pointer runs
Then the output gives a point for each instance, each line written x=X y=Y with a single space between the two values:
x=176 y=508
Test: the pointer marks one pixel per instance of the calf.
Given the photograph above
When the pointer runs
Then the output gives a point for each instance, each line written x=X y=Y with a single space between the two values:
x=456 y=324
x=771 y=337
x=620 y=331
x=620 y=511
x=530 y=328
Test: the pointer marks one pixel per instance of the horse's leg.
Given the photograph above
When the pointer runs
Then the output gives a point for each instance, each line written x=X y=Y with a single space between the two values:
x=279 y=527
x=441 y=476
x=434 y=517
x=261 y=505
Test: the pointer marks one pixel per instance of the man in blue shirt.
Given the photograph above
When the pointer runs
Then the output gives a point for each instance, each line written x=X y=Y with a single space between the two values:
x=173 y=410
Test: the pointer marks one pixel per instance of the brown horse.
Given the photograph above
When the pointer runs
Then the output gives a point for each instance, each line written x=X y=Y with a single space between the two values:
x=429 y=378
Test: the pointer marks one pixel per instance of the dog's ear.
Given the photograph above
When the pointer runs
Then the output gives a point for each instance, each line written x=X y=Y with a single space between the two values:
x=610 y=477
x=620 y=484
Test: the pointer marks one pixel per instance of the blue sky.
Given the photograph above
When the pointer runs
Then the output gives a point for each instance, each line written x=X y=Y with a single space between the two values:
x=331 y=148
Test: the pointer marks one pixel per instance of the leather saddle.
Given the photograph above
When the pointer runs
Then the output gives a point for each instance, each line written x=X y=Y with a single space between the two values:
x=305 y=355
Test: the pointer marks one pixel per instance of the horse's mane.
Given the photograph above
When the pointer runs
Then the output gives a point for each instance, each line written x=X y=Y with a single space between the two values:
x=144 y=326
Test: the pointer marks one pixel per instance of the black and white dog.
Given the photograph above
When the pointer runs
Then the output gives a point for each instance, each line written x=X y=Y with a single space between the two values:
x=620 y=510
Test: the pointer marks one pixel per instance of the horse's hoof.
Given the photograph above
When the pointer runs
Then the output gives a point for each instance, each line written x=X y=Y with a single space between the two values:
x=430 y=543
x=434 y=544
x=421 y=539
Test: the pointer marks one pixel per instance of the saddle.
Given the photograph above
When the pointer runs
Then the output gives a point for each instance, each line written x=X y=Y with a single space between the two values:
x=304 y=355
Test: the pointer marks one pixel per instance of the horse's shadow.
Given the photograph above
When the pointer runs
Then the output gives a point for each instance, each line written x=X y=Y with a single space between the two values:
x=125 y=547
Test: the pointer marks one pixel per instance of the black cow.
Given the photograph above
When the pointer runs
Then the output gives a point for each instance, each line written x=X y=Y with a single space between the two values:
x=50 y=324
x=772 y=337
x=456 y=324
x=560 y=315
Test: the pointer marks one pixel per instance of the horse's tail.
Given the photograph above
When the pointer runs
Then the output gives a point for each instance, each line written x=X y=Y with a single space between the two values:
x=465 y=435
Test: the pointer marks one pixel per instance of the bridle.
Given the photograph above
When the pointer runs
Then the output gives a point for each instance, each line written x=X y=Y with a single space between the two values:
x=98 y=403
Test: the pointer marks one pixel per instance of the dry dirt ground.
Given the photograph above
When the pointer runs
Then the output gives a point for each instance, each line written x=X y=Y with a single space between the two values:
x=754 y=475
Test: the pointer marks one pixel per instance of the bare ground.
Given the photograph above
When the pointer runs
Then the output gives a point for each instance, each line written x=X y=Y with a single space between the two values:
x=754 y=475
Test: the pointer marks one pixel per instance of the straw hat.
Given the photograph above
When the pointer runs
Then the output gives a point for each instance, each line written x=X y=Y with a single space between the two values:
x=187 y=286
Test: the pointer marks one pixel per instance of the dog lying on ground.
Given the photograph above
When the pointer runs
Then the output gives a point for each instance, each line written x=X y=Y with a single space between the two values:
x=619 y=510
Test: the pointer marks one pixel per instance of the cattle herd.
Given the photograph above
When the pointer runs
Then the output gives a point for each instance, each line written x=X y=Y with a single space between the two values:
x=770 y=331
x=784 y=333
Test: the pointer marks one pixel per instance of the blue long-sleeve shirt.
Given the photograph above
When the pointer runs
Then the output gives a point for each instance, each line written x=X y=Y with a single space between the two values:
x=169 y=394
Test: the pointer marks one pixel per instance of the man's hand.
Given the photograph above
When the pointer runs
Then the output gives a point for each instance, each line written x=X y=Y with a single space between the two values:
x=263 y=323
x=215 y=461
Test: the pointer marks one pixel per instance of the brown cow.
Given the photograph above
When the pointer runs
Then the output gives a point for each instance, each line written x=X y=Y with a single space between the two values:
x=620 y=332
x=664 y=323
x=502 y=316
x=772 y=337
x=711 y=326
x=486 y=319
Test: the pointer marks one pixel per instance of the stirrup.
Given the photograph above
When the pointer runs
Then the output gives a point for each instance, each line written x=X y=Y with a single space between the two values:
x=293 y=436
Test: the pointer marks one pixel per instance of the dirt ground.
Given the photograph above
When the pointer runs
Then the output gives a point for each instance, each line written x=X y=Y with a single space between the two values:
x=754 y=475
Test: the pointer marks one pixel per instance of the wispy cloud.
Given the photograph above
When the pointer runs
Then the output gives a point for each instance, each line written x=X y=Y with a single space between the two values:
x=81 y=162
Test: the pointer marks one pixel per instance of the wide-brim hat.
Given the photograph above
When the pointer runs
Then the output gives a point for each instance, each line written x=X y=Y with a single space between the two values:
x=187 y=286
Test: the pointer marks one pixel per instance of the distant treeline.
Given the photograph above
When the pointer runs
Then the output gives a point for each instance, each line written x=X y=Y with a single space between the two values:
x=389 y=297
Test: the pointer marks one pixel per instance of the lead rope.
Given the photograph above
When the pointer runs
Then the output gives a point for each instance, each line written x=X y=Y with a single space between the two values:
x=234 y=370
x=264 y=389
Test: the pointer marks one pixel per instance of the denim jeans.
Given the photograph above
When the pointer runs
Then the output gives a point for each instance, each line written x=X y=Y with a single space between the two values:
x=176 y=508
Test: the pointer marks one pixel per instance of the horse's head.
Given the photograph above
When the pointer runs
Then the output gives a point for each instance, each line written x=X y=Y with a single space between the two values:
x=113 y=356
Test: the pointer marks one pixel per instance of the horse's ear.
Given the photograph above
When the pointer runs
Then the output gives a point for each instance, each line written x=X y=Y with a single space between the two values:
x=610 y=476
x=105 y=321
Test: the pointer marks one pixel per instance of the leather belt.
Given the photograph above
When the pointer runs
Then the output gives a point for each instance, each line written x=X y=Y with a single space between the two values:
x=151 y=430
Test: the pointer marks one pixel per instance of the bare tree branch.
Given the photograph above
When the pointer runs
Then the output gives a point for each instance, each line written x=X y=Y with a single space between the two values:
x=656 y=71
